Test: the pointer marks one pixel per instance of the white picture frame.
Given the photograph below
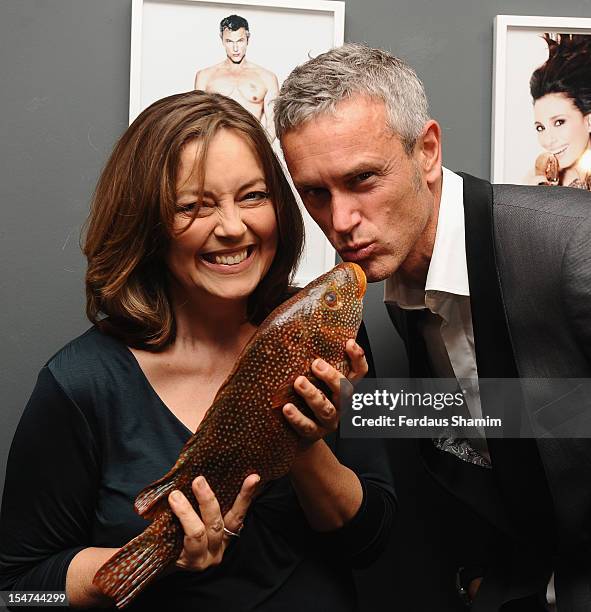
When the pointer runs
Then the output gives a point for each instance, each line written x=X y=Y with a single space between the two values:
x=518 y=50
x=166 y=53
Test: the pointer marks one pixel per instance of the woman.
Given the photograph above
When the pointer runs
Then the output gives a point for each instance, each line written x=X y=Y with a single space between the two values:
x=561 y=91
x=191 y=240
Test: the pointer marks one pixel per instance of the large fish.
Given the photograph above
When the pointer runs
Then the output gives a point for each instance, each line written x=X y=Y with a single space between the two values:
x=244 y=431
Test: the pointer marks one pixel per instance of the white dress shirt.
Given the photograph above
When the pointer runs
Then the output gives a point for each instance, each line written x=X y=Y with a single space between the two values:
x=449 y=336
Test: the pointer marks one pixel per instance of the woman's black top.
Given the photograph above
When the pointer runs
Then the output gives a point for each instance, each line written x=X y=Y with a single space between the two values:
x=95 y=433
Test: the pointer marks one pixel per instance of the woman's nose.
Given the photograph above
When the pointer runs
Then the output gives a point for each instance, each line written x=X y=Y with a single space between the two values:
x=548 y=139
x=230 y=224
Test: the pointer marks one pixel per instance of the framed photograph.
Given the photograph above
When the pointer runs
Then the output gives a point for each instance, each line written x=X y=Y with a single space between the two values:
x=541 y=106
x=179 y=45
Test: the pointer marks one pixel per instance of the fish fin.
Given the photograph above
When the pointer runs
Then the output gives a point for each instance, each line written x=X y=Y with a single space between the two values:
x=146 y=502
x=134 y=566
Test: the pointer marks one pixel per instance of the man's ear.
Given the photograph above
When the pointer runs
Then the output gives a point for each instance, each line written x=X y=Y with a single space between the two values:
x=428 y=151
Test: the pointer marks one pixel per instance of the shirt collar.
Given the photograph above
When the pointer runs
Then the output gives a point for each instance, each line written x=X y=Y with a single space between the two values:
x=448 y=271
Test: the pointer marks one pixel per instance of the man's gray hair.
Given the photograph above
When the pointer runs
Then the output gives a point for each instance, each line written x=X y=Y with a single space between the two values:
x=317 y=86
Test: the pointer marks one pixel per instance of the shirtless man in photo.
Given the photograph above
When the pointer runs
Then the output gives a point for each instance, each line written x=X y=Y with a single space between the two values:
x=251 y=85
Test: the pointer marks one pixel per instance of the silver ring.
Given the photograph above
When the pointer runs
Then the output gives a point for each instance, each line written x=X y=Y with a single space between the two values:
x=231 y=533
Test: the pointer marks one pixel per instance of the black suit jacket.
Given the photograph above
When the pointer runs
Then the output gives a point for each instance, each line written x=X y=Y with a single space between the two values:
x=529 y=267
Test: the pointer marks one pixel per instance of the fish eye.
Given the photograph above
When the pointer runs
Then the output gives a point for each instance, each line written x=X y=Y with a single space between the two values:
x=330 y=298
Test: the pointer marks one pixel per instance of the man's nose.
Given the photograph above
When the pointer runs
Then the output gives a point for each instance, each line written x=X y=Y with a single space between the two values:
x=345 y=215
x=230 y=224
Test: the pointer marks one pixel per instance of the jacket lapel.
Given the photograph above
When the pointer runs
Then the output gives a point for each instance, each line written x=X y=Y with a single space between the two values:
x=516 y=462
x=494 y=354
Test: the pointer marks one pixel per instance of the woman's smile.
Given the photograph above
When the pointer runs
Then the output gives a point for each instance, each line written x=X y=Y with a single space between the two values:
x=229 y=262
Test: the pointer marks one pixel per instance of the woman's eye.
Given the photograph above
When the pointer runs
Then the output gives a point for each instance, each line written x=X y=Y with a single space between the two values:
x=194 y=209
x=186 y=209
x=330 y=298
x=255 y=197
x=559 y=122
x=539 y=128
x=205 y=209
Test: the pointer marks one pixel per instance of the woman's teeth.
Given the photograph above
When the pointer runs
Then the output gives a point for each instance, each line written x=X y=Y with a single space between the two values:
x=231 y=260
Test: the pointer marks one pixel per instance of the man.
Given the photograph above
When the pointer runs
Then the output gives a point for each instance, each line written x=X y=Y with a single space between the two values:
x=252 y=86
x=481 y=282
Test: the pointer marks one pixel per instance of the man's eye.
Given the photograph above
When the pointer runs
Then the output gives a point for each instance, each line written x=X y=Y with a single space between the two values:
x=255 y=197
x=363 y=176
x=315 y=193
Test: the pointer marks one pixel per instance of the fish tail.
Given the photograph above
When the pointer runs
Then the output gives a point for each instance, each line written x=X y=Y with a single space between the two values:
x=135 y=565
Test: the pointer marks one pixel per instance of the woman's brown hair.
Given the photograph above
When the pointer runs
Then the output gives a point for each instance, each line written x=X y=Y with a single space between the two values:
x=130 y=223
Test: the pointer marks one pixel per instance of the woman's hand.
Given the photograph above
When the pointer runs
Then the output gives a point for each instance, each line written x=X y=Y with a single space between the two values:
x=538 y=179
x=326 y=411
x=205 y=537
x=535 y=177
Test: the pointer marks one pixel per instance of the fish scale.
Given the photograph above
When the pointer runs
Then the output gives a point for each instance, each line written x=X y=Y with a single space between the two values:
x=244 y=430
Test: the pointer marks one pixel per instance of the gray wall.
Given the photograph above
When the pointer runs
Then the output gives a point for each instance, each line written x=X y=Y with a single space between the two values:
x=64 y=74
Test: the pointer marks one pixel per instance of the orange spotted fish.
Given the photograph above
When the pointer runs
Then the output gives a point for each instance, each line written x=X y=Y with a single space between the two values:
x=244 y=431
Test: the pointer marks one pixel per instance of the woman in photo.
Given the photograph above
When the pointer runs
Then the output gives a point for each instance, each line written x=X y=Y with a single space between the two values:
x=192 y=238
x=561 y=92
